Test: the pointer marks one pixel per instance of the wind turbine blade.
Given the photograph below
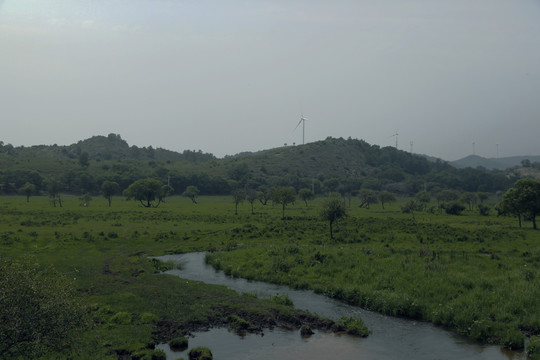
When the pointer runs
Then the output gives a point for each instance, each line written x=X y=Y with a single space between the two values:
x=298 y=124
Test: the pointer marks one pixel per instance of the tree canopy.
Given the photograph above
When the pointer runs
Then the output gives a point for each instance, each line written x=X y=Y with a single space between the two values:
x=523 y=199
x=108 y=189
x=283 y=196
x=332 y=210
x=147 y=192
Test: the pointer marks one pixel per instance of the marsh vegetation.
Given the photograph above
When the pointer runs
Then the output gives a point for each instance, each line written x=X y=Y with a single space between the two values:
x=475 y=274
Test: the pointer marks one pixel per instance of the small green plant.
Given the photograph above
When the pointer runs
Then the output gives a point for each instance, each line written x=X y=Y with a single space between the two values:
x=352 y=326
x=282 y=300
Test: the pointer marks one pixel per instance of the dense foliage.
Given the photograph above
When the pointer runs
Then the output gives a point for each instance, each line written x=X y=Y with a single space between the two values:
x=332 y=165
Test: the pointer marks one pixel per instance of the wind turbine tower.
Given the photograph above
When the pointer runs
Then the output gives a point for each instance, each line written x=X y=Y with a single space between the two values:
x=396 y=135
x=303 y=122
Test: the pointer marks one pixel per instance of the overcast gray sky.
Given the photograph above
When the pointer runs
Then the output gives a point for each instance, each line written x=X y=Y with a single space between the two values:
x=232 y=76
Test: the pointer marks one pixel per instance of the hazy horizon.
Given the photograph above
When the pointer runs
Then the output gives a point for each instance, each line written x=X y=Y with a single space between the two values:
x=231 y=77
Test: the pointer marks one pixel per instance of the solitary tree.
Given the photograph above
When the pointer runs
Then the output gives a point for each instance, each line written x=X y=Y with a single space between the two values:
x=523 y=199
x=305 y=195
x=109 y=189
x=283 y=196
x=191 y=192
x=146 y=191
x=509 y=204
x=367 y=197
x=238 y=196
x=27 y=190
x=332 y=210
x=386 y=197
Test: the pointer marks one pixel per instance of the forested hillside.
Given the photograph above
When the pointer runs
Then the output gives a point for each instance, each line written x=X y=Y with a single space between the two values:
x=329 y=165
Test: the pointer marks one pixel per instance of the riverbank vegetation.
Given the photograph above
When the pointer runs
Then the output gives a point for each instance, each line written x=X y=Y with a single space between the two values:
x=473 y=273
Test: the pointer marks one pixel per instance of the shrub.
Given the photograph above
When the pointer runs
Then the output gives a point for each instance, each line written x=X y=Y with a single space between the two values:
x=149 y=318
x=353 y=326
x=484 y=209
x=454 y=208
x=282 y=300
x=200 y=353
x=121 y=318
x=533 y=349
x=178 y=344
x=159 y=355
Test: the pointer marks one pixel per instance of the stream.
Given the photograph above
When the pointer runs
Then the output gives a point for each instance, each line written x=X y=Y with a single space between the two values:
x=391 y=338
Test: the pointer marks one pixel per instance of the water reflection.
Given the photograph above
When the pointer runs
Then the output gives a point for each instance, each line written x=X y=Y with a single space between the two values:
x=391 y=338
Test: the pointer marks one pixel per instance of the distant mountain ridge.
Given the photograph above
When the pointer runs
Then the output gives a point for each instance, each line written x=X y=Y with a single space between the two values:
x=492 y=163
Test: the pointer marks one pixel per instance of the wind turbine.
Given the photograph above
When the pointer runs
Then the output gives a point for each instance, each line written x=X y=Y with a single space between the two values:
x=396 y=135
x=303 y=122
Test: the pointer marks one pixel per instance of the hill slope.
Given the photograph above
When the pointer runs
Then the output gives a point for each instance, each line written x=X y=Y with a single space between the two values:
x=328 y=165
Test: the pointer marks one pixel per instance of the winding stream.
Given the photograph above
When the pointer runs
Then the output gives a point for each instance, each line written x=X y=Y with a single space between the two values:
x=391 y=338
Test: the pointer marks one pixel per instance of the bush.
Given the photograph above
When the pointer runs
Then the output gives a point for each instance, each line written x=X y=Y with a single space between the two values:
x=454 y=208
x=178 y=344
x=200 y=353
x=149 y=318
x=353 y=326
x=533 y=349
x=484 y=209
x=121 y=318
x=282 y=300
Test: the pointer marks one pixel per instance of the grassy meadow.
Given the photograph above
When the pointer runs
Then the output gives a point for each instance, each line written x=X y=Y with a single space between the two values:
x=476 y=274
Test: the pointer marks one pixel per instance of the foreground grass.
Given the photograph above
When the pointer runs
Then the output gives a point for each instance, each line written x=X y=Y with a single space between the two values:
x=478 y=275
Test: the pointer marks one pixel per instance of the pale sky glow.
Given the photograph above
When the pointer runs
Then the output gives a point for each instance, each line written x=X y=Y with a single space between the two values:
x=232 y=76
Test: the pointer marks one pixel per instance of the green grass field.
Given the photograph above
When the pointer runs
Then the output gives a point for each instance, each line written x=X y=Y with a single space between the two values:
x=476 y=274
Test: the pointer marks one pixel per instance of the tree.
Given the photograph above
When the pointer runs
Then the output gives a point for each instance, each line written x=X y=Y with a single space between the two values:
x=109 y=189
x=305 y=195
x=191 y=192
x=238 y=196
x=54 y=193
x=86 y=198
x=468 y=198
x=146 y=191
x=386 y=197
x=423 y=198
x=27 y=190
x=367 y=197
x=83 y=160
x=482 y=196
x=523 y=199
x=332 y=210
x=264 y=194
x=284 y=196
x=166 y=190
x=39 y=311
x=251 y=196
x=509 y=204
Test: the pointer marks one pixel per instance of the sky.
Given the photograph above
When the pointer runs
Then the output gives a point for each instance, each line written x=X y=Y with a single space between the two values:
x=450 y=77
